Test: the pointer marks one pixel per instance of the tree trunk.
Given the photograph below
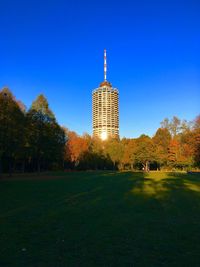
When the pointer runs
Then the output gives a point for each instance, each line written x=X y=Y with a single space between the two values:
x=131 y=166
x=121 y=166
x=143 y=168
x=147 y=166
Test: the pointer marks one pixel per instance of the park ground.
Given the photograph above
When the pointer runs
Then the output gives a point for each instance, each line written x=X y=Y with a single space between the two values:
x=100 y=219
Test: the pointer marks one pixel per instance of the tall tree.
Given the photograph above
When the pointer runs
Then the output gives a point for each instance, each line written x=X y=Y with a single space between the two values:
x=175 y=126
x=145 y=153
x=46 y=139
x=11 y=128
x=41 y=105
x=161 y=142
x=196 y=141
x=129 y=152
x=114 y=149
x=173 y=152
x=76 y=146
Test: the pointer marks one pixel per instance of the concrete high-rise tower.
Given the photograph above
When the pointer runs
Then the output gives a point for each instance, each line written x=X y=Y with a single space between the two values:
x=105 y=111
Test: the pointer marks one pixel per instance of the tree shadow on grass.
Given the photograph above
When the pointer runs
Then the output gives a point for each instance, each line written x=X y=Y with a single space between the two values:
x=106 y=219
x=165 y=213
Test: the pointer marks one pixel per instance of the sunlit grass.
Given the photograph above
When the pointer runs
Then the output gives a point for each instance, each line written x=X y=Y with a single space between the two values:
x=156 y=183
x=193 y=187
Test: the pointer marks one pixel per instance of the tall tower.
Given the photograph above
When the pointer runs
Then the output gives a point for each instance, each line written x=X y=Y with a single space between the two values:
x=105 y=111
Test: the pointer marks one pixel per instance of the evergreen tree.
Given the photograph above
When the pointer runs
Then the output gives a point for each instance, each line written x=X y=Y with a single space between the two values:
x=46 y=138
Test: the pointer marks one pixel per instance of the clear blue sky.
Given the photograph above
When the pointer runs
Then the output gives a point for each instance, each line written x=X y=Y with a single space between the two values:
x=56 y=48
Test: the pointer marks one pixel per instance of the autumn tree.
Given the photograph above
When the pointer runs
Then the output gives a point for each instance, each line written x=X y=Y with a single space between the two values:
x=186 y=150
x=145 y=153
x=129 y=152
x=175 y=126
x=179 y=148
x=76 y=146
x=173 y=152
x=196 y=141
x=161 y=142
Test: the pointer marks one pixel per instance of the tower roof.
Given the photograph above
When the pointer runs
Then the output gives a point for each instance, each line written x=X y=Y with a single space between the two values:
x=105 y=83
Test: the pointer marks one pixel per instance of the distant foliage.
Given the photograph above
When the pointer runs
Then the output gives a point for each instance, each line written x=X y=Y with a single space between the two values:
x=32 y=140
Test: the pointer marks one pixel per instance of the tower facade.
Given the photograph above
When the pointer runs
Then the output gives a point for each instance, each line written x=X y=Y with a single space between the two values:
x=105 y=109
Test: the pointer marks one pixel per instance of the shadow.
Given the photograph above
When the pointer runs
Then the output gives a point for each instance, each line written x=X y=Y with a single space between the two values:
x=103 y=218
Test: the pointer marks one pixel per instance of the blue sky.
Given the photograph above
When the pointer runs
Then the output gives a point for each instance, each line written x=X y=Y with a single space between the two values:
x=56 y=48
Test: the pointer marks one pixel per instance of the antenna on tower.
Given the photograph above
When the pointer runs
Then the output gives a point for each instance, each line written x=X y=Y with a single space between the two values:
x=105 y=65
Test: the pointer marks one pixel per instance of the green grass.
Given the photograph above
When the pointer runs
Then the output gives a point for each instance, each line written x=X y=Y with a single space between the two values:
x=101 y=219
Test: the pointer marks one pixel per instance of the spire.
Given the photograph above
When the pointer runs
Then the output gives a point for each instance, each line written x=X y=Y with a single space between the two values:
x=105 y=82
x=105 y=66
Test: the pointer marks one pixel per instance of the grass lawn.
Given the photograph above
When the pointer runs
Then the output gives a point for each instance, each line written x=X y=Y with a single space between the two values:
x=100 y=219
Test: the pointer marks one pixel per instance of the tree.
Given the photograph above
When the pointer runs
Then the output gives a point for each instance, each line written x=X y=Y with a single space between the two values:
x=11 y=128
x=145 y=153
x=129 y=151
x=179 y=154
x=173 y=151
x=186 y=149
x=76 y=146
x=45 y=137
x=165 y=124
x=114 y=150
x=41 y=105
x=196 y=141
x=161 y=142
x=175 y=126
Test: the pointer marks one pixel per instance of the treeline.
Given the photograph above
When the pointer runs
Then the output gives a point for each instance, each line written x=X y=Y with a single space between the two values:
x=175 y=145
x=29 y=140
x=32 y=140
